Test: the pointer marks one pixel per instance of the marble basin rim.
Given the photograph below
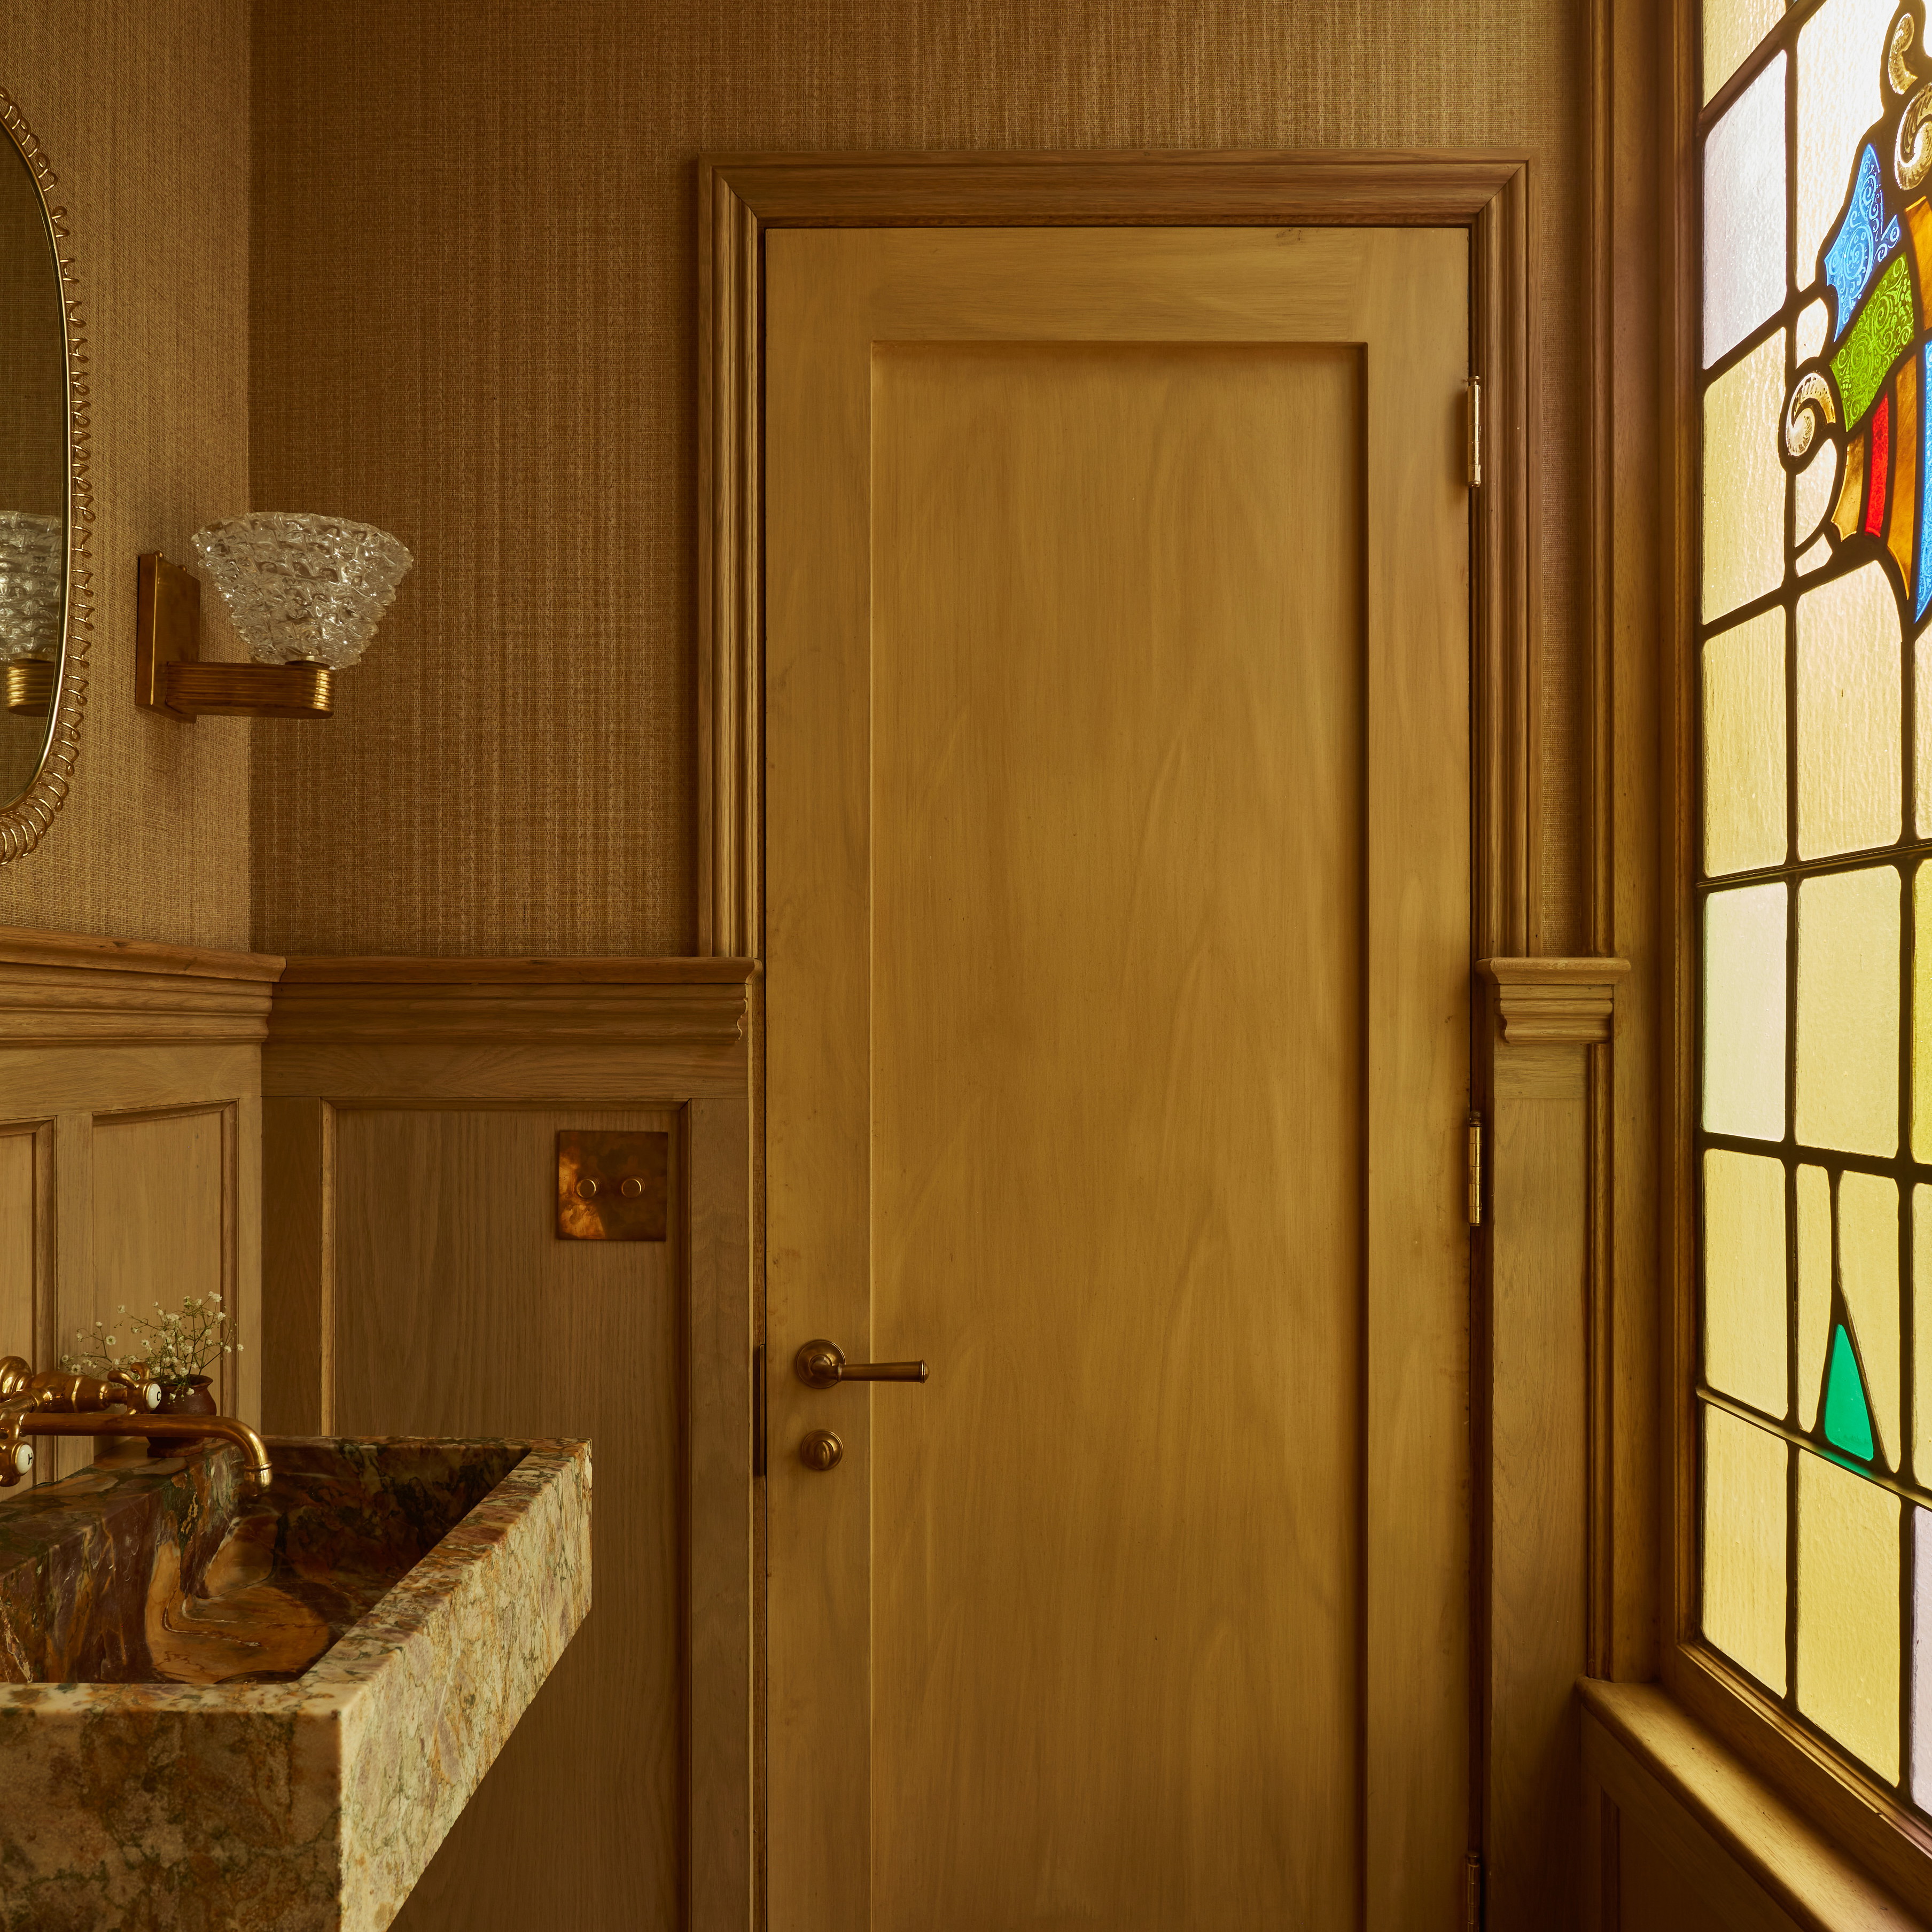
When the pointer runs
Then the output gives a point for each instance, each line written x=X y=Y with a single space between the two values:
x=310 y=1804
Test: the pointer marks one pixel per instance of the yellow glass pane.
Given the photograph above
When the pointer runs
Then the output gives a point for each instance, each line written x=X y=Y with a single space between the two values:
x=1850 y=685
x=1744 y=214
x=1921 y=1348
x=1868 y=1271
x=1744 y=1325
x=1744 y=746
x=1840 y=63
x=1848 y=1012
x=1743 y=481
x=1744 y=1471
x=1816 y=489
x=1848 y=1585
x=1922 y=729
x=1814 y=1288
x=1744 y=1012
x=1731 y=27
x=1921 y=1014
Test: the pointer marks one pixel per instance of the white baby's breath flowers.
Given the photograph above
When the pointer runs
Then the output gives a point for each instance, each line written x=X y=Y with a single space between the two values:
x=173 y=1350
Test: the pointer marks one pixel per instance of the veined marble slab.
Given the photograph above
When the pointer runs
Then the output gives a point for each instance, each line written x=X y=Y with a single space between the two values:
x=312 y=1805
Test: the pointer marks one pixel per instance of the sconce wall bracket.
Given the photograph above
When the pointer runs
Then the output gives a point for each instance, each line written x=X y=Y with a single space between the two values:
x=170 y=677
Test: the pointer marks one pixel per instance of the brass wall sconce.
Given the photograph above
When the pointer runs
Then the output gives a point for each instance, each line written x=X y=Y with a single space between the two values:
x=305 y=593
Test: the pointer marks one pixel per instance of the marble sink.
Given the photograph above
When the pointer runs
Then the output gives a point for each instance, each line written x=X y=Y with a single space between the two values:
x=220 y=1712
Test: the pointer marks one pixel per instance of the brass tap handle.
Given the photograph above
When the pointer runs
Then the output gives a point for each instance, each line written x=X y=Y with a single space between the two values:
x=71 y=1394
x=823 y=1365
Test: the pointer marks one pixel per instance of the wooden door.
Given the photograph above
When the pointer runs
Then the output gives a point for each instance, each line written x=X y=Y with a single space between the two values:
x=1118 y=952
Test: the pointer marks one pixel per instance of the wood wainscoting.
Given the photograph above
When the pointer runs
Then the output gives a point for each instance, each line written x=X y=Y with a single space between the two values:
x=415 y=1283
x=130 y=1144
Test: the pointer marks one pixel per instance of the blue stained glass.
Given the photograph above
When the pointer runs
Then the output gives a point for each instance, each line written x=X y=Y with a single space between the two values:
x=1924 y=591
x=1864 y=240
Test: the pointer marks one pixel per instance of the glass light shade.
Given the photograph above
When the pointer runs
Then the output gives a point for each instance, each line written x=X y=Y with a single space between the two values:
x=303 y=588
x=32 y=575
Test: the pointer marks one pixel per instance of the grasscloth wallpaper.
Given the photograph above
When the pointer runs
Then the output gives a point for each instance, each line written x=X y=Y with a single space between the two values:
x=474 y=314
x=144 y=110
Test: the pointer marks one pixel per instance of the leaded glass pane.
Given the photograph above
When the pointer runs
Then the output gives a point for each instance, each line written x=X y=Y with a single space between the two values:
x=1744 y=1487
x=1744 y=214
x=1848 y=1592
x=1814 y=1288
x=1743 y=481
x=1745 y=1349
x=1850 y=690
x=1731 y=27
x=1744 y=1012
x=1744 y=746
x=1847 y=1021
x=1868 y=1272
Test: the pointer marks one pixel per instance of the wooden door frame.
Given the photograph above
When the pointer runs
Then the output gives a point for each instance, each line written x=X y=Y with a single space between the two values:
x=1487 y=193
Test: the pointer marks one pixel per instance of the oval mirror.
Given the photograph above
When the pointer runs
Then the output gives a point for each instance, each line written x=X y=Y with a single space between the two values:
x=44 y=510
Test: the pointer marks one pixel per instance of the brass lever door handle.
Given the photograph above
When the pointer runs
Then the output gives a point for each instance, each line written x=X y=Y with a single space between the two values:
x=823 y=1365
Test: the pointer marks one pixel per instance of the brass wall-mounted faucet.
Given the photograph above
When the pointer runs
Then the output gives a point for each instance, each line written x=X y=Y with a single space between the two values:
x=121 y=1404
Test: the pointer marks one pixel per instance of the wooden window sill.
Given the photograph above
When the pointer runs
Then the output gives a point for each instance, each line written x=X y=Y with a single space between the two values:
x=1757 y=1864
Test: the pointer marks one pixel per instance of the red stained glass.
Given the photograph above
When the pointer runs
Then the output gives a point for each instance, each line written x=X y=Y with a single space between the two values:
x=1881 y=466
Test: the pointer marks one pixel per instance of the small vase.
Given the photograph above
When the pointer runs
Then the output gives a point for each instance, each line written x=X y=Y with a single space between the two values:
x=195 y=1400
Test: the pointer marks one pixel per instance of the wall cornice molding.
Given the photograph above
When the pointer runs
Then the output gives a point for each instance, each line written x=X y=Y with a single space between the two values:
x=341 y=1002
x=67 y=989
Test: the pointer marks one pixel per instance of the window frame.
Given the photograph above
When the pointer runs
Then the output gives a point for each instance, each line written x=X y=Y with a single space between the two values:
x=1866 y=1818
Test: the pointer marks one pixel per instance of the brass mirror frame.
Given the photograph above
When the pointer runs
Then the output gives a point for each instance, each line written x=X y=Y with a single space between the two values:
x=25 y=819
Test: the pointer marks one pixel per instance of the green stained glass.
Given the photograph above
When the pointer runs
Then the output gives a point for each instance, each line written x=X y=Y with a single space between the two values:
x=1848 y=1422
x=1884 y=325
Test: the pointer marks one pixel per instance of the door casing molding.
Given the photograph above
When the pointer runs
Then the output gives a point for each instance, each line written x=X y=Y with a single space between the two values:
x=1487 y=194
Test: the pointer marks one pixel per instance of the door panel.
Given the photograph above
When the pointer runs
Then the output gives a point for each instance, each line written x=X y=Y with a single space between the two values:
x=1117 y=960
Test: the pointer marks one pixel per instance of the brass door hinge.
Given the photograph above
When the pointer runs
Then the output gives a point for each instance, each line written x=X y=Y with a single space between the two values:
x=1472 y=1893
x=1475 y=1170
x=1475 y=432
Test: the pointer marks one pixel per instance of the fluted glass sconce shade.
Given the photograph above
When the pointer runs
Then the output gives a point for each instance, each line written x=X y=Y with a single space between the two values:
x=33 y=561
x=303 y=590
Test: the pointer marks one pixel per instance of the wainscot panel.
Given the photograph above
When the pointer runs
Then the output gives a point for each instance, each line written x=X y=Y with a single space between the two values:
x=415 y=1281
x=129 y=1173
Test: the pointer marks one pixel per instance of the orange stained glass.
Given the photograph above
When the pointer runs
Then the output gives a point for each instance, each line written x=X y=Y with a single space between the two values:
x=1848 y=1614
x=1814 y=1288
x=1745 y=1488
x=1868 y=1273
x=1745 y=1352
x=1850 y=691
x=1743 y=480
x=1744 y=746
x=1847 y=1055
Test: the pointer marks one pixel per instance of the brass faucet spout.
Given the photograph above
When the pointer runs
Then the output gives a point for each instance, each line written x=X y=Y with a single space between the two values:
x=161 y=1428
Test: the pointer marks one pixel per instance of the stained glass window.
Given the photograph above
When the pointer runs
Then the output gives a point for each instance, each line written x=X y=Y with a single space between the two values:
x=1814 y=1154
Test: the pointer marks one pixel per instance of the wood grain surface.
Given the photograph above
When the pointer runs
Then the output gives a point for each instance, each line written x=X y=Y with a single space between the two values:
x=1100 y=567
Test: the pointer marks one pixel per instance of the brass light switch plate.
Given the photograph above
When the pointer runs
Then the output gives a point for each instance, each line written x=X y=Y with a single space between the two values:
x=613 y=1187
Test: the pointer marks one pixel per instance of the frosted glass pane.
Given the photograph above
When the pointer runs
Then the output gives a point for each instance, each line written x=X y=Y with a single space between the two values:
x=1922 y=1017
x=1745 y=1476
x=1868 y=1271
x=1744 y=746
x=1848 y=1582
x=1745 y=1333
x=1744 y=214
x=1922 y=729
x=1921 y=1337
x=1814 y=1288
x=1744 y=1012
x=1921 y=1657
x=1850 y=696
x=1815 y=488
x=1809 y=335
x=1731 y=27
x=1743 y=480
x=1840 y=58
x=1848 y=1012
